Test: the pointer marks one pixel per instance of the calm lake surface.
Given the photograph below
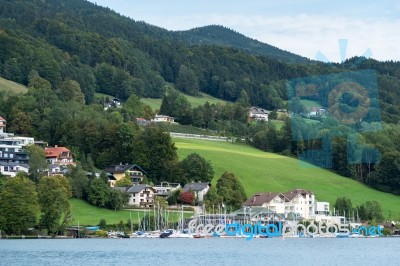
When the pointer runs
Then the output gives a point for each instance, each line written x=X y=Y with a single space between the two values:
x=217 y=251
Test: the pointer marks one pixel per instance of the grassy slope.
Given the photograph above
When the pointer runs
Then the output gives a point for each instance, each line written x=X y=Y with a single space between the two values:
x=260 y=172
x=10 y=86
x=194 y=101
x=86 y=214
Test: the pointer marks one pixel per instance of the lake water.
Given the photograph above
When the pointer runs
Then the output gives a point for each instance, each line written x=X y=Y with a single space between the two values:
x=214 y=251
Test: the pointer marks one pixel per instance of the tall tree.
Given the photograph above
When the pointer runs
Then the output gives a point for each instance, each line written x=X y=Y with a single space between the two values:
x=54 y=192
x=155 y=152
x=18 y=205
x=70 y=90
x=232 y=191
x=196 y=168
x=37 y=162
x=343 y=206
x=98 y=193
x=187 y=81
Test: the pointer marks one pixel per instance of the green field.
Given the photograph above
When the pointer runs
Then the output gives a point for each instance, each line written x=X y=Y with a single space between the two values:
x=86 y=214
x=155 y=104
x=9 y=86
x=262 y=172
x=309 y=104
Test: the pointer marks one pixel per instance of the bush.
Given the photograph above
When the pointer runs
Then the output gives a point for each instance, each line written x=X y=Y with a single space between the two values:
x=101 y=233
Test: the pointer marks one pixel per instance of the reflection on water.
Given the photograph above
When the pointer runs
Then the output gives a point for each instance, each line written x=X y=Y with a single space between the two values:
x=276 y=251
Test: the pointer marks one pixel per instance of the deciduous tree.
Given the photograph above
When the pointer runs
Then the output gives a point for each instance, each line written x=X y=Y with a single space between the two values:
x=18 y=205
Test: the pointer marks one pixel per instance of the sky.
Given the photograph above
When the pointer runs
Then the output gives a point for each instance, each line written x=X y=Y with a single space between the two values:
x=304 y=27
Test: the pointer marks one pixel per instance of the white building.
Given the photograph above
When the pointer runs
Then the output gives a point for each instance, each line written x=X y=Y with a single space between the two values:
x=298 y=201
x=165 y=188
x=24 y=141
x=140 y=195
x=59 y=155
x=274 y=201
x=199 y=190
x=12 y=169
x=163 y=118
x=256 y=113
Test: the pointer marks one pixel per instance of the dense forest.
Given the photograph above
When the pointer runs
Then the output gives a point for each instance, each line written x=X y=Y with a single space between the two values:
x=66 y=51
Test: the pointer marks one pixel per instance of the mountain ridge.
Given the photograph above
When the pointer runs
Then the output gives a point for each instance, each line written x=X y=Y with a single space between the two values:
x=221 y=35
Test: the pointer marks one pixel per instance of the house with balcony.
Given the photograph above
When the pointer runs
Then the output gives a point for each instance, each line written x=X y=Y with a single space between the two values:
x=273 y=201
x=165 y=189
x=300 y=201
x=59 y=155
x=13 y=158
x=11 y=169
x=118 y=172
x=141 y=195
x=294 y=204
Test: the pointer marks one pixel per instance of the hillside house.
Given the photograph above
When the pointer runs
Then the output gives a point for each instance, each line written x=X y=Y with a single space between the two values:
x=165 y=188
x=113 y=103
x=59 y=155
x=163 y=118
x=118 y=172
x=259 y=114
x=141 y=195
x=12 y=151
x=11 y=169
x=199 y=190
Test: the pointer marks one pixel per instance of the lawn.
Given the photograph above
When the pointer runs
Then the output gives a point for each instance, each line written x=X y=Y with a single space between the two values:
x=261 y=172
x=11 y=86
x=155 y=103
x=308 y=104
x=86 y=214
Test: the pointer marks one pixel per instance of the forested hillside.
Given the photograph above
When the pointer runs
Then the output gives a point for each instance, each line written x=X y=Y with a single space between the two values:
x=219 y=35
x=67 y=50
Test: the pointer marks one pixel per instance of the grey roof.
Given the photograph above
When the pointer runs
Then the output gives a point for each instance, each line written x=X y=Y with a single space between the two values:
x=122 y=189
x=15 y=164
x=257 y=110
x=123 y=168
x=138 y=188
x=195 y=186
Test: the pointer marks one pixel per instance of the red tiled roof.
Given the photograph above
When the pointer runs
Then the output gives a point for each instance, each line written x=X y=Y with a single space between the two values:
x=292 y=194
x=55 y=151
x=2 y=119
x=259 y=199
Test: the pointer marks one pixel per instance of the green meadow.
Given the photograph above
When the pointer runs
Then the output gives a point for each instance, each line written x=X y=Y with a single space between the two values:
x=262 y=172
x=155 y=103
x=9 y=86
x=86 y=214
